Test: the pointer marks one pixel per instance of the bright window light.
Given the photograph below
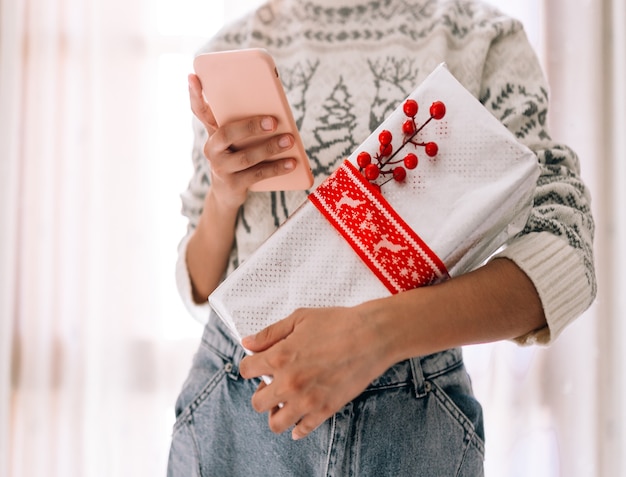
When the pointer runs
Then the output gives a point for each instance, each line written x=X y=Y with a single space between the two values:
x=189 y=17
x=530 y=13
x=171 y=171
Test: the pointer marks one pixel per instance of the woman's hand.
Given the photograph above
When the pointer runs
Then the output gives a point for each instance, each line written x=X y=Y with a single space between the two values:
x=319 y=360
x=235 y=166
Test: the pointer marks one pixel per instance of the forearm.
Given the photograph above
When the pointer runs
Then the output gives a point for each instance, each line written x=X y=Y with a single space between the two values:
x=209 y=247
x=495 y=302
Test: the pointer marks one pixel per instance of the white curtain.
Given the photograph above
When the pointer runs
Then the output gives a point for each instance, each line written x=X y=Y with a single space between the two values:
x=559 y=411
x=94 y=341
x=94 y=150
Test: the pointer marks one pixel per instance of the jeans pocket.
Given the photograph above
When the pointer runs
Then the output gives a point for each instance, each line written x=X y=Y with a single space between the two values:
x=207 y=370
x=454 y=394
x=183 y=458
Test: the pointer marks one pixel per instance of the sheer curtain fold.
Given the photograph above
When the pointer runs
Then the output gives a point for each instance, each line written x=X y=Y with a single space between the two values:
x=571 y=395
x=86 y=373
x=11 y=34
x=51 y=206
x=588 y=74
x=611 y=174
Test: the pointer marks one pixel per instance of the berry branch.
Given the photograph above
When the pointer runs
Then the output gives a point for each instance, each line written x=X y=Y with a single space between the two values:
x=384 y=159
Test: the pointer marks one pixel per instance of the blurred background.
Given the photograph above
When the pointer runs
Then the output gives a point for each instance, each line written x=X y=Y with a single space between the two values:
x=95 y=143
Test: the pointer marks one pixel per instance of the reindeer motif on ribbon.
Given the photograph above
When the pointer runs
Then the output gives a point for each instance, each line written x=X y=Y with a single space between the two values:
x=375 y=231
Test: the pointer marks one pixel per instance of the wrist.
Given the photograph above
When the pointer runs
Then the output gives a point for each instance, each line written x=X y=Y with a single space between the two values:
x=209 y=247
x=394 y=322
x=223 y=198
x=414 y=323
x=220 y=208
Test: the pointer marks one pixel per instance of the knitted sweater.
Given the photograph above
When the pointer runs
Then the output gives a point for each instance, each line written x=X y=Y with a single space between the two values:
x=346 y=64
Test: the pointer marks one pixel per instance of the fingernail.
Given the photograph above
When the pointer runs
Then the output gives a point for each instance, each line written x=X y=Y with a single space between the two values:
x=267 y=124
x=284 y=141
x=290 y=165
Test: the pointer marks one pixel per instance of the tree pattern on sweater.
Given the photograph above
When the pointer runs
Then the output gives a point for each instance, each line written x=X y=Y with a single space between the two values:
x=392 y=45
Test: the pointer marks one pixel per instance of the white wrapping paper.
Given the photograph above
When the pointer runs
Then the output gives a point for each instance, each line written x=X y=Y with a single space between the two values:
x=464 y=204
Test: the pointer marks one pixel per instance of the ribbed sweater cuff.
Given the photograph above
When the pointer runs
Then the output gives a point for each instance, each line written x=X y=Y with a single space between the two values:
x=202 y=311
x=558 y=275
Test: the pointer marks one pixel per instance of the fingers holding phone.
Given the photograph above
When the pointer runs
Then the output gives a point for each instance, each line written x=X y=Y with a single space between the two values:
x=244 y=152
x=241 y=99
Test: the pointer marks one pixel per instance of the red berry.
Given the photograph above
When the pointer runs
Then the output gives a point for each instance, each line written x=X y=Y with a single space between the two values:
x=386 y=150
x=376 y=187
x=384 y=137
x=363 y=159
x=437 y=110
x=431 y=149
x=410 y=108
x=399 y=174
x=410 y=161
x=371 y=172
x=408 y=127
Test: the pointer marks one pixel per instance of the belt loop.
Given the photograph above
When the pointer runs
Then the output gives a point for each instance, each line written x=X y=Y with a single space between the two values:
x=237 y=355
x=418 y=376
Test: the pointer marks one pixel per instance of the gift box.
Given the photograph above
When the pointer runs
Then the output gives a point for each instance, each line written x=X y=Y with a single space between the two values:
x=432 y=193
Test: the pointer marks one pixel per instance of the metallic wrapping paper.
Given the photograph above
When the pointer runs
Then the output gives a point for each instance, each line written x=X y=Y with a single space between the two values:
x=465 y=204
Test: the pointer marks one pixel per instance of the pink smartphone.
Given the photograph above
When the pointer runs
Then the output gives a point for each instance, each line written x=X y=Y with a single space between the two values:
x=242 y=83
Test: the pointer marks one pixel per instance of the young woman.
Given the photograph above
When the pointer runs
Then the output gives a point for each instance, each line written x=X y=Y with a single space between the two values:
x=379 y=388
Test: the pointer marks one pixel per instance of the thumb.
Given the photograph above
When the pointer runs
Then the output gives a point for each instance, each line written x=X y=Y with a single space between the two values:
x=269 y=336
x=199 y=106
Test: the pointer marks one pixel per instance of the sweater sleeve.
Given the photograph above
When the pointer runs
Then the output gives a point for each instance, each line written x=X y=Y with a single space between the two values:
x=192 y=203
x=199 y=311
x=555 y=248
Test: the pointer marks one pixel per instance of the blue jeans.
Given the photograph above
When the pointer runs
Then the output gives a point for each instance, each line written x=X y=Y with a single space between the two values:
x=418 y=419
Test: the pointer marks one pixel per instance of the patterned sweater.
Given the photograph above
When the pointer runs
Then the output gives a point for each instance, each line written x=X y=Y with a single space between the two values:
x=346 y=64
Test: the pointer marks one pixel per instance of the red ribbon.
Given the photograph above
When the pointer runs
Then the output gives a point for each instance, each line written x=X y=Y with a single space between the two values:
x=384 y=241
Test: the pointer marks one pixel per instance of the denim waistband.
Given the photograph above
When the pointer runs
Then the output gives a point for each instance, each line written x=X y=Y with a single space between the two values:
x=417 y=370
